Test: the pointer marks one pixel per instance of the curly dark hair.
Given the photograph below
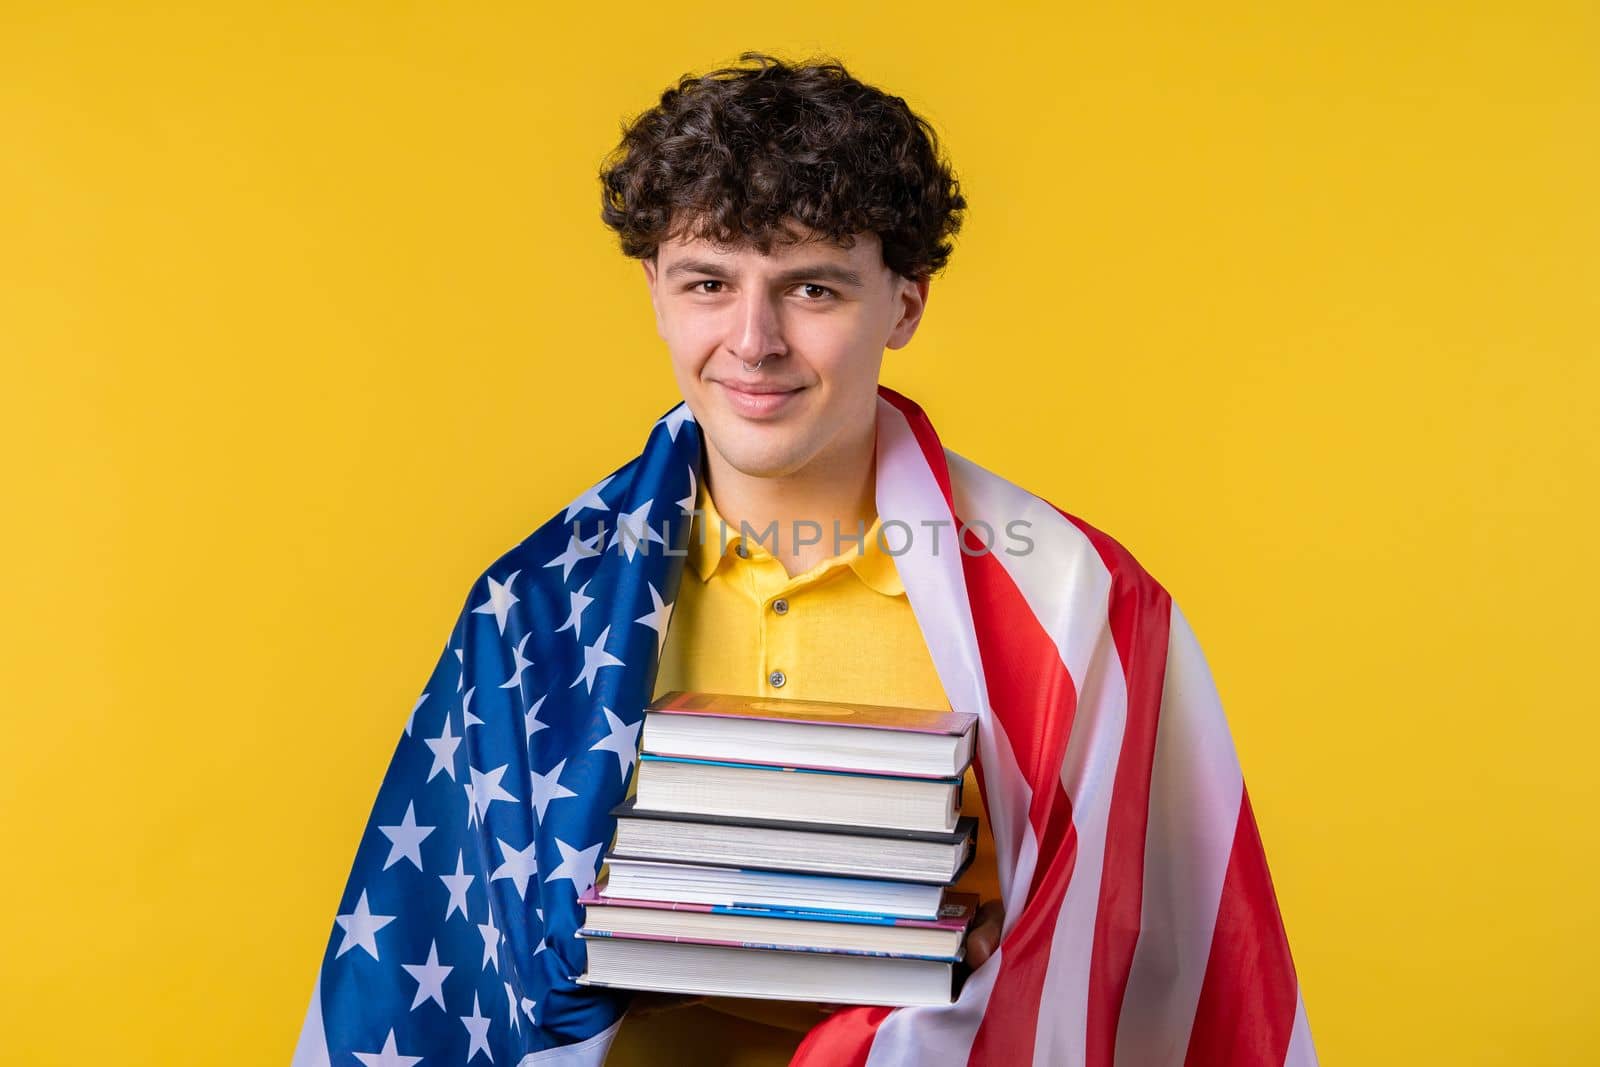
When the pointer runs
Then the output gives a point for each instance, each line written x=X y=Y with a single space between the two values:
x=733 y=155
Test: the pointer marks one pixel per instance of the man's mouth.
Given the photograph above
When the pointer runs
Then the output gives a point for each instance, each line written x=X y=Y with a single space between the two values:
x=757 y=401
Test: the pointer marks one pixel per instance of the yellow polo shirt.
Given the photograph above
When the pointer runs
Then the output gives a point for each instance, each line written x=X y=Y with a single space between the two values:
x=841 y=631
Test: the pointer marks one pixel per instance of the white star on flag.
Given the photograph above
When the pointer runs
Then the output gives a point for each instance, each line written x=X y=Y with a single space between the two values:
x=530 y=719
x=578 y=866
x=622 y=741
x=486 y=788
x=491 y=942
x=522 y=664
x=547 y=787
x=461 y=674
x=519 y=866
x=634 y=529
x=361 y=928
x=527 y=1008
x=458 y=884
x=405 y=840
x=589 y=498
x=389 y=1056
x=575 y=616
x=444 y=752
x=674 y=419
x=472 y=803
x=500 y=600
x=511 y=1008
x=595 y=656
x=658 y=617
x=577 y=549
x=412 y=718
x=467 y=718
x=477 y=1025
x=688 y=502
x=430 y=977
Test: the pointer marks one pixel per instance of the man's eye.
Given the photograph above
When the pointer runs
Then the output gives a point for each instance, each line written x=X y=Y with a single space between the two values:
x=708 y=281
x=821 y=291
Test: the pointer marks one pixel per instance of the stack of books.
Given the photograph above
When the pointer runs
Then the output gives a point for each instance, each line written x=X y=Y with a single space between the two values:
x=789 y=849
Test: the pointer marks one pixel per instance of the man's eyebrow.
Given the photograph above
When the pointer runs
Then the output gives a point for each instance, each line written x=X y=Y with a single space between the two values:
x=711 y=269
x=827 y=271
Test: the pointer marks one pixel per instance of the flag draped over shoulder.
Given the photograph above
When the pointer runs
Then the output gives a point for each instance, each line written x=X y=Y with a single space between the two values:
x=1141 y=926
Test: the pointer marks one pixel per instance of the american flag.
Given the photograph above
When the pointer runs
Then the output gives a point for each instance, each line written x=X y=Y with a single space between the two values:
x=1141 y=926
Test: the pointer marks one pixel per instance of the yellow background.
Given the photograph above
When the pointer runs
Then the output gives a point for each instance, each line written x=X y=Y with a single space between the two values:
x=306 y=316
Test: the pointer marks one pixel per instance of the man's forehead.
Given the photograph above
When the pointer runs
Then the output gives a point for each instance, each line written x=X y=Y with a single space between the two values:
x=802 y=244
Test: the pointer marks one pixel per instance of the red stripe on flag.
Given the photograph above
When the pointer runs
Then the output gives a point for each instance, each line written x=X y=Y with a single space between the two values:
x=844 y=1039
x=1247 y=1002
x=1140 y=613
x=1011 y=1020
x=1034 y=697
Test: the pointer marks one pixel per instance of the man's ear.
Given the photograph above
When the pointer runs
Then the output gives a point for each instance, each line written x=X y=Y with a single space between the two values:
x=649 y=265
x=911 y=300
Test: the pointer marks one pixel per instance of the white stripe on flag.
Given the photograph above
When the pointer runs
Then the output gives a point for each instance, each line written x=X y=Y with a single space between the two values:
x=312 y=1048
x=1195 y=789
x=1302 y=1053
x=589 y=1053
x=1067 y=588
x=1088 y=776
x=936 y=587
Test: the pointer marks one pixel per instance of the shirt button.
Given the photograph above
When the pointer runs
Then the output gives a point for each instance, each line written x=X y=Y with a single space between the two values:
x=743 y=552
x=776 y=679
x=781 y=606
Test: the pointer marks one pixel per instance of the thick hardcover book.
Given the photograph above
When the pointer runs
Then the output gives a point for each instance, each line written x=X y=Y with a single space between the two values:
x=870 y=738
x=957 y=911
x=942 y=938
x=772 y=974
x=807 y=847
x=739 y=888
x=798 y=794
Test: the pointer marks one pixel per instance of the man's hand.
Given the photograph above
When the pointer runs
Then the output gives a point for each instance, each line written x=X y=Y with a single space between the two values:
x=982 y=940
x=984 y=937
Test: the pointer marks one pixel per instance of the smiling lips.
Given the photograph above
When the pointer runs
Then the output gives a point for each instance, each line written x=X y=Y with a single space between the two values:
x=760 y=401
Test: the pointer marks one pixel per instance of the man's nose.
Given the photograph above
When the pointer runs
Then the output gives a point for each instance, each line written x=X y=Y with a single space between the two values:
x=758 y=330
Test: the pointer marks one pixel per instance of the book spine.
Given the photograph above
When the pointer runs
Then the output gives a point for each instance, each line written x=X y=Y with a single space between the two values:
x=828 y=913
x=951 y=916
x=808 y=915
x=764 y=946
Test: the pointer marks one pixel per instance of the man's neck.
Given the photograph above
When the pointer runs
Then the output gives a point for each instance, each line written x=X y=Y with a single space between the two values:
x=837 y=486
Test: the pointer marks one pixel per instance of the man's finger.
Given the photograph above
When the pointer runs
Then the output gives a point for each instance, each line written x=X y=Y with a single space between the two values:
x=984 y=937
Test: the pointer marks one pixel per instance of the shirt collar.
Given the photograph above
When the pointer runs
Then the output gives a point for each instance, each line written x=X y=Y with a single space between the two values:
x=872 y=564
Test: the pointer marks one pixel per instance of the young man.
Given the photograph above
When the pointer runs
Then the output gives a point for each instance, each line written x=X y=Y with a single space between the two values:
x=814 y=539
x=776 y=302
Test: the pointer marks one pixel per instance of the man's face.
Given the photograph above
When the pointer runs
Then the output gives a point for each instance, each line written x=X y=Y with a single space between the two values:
x=817 y=316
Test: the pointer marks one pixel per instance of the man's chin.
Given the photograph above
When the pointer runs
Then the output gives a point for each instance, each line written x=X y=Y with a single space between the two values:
x=759 y=459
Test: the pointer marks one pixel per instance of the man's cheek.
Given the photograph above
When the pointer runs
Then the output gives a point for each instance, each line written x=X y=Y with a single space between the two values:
x=693 y=339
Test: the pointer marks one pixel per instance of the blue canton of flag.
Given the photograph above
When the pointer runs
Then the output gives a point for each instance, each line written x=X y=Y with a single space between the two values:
x=455 y=940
